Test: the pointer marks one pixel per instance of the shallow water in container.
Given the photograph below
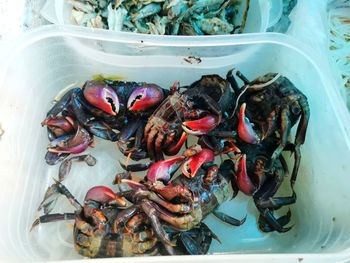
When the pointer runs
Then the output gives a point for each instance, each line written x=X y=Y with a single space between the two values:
x=320 y=215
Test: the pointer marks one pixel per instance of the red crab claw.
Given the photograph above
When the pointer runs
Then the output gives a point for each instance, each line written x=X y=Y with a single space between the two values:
x=134 y=185
x=163 y=170
x=102 y=97
x=201 y=126
x=74 y=144
x=176 y=146
x=170 y=192
x=194 y=163
x=59 y=126
x=244 y=182
x=104 y=195
x=245 y=128
x=145 y=97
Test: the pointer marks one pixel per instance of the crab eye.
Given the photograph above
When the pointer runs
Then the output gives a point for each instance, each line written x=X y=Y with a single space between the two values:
x=295 y=108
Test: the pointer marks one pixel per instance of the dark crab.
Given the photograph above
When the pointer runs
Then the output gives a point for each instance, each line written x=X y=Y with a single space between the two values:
x=268 y=105
x=102 y=229
x=182 y=203
x=197 y=110
x=102 y=108
x=254 y=176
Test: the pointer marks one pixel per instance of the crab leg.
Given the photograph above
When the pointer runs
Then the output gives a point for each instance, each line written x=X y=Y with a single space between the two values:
x=175 y=208
x=61 y=104
x=150 y=143
x=54 y=158
x=285 y=130
x=273 y=222
x=213 y=105
x=151 y=212
x=52 y=218
x=52 y=194
x=101 y=130
x=158 y=146
x=78 y=108
x=182 y=222
x=232 y=80
x=229 y=219
x=277 y=202
x=283 y=220
x=300 y=137
x=136 y=167
x=66 y=165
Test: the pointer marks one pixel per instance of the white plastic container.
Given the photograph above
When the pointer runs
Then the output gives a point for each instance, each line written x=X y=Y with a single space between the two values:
x=42 y=63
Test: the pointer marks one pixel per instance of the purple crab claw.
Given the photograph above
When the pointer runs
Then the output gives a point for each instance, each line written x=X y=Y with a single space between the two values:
x=74 y=144
x=145 y=97
x=102 y=97
x=245 y=128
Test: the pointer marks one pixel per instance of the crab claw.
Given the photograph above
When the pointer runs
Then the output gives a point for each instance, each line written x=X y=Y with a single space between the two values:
x=163 y=170
x=75 y=144
x=244 y=182
x=145 y=97
x=134 y=185
x=194 y=163
x=59 y=126
x=102 y=97
x=245 y=128
x=104 y=195
x=201 y=126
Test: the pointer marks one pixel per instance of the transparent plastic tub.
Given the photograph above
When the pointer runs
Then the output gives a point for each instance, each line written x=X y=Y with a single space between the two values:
x=42 y=63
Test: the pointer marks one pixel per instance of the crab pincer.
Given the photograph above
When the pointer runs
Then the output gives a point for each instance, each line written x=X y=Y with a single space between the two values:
x=201 y=126
x=102 y=97
x=74 y=144
x=163 y=170
x=104 y=195
x=194 y=163
x=60 y=125
x=145 y=97
x=245 y=128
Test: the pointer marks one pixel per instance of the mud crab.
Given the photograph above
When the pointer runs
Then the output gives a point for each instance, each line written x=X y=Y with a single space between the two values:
x=100 y=108
x=254 y=177
x=102 y=229
x=198 y=110
x=185 y=201
x=272 y=104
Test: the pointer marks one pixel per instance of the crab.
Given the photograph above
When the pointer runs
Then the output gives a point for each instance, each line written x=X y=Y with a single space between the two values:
x=103 y=229
x=268 y=105
x=197 y=111
x=254 y=176
x=181 y=203
x=100 y=108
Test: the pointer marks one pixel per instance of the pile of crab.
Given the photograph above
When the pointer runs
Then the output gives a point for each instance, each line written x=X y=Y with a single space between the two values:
x=249 y=127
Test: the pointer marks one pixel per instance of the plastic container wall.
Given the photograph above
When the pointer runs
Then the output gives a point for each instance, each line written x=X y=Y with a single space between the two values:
x=45 y=63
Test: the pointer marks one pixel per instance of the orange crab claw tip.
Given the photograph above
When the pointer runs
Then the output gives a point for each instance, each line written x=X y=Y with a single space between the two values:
x=120 y=200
